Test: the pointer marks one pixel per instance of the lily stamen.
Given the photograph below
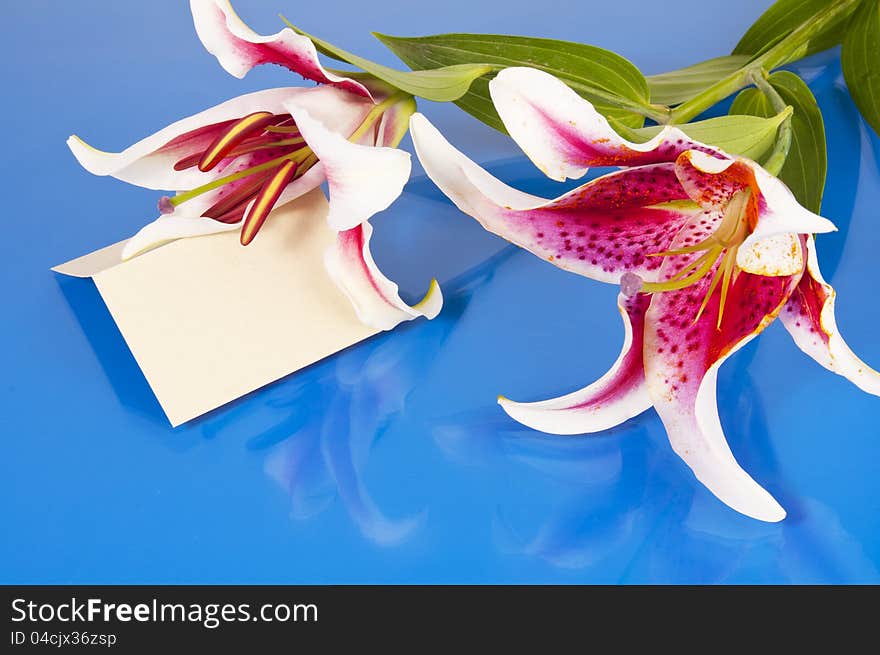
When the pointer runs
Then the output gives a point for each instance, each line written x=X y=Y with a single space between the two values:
x=245 y=147
x=258 y=131
x=706 y=262
x=283 y=129
x=235 y=199
x=232 y=136
x=265 y=200
x=175 y=201
x=723 y=242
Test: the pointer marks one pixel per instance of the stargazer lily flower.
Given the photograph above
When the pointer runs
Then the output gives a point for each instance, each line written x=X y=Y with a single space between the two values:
x=708 y=249
x=232 y=164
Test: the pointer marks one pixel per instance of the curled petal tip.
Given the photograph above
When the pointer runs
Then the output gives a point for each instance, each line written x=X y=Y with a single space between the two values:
x=375 y=298
x=432 y=302
x=769 y=511
x=814 y=224
x=617 y=396
x=239 y=49
x=718 y=471
x=776 y=516
x=810 y=320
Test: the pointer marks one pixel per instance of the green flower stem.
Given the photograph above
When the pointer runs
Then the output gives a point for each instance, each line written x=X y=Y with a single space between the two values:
x=778 y=55
x=777 y=158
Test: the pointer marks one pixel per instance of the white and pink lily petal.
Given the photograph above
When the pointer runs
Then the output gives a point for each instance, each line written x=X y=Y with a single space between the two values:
x=375 y=298
x=614 y=224
x=150 y=163
x=689 y=333
x=238 y=48
x=775 y=216
x=675 y=341
x=809 y=318
x=601 y=230
x=362 y=178
x=616 y=397
x=564 y=136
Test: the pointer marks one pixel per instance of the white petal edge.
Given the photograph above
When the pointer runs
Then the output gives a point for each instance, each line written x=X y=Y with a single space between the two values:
x=472 y=189
x=171 y=228
x=375 y=298
x=337 y=110
x=836 y=355
x=713 y=463
x=138 y=164
x=185 y=221
x=228 y=38
x=534 y=105
x=362 y=180
x=566 y=415
x=700 y=442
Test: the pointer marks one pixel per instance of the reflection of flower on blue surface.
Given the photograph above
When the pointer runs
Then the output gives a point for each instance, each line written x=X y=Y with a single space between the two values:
x=324 y=458
x=611 y=508
x=320 y=447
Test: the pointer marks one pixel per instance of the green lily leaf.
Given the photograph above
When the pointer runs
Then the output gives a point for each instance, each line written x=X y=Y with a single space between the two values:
x=443 y=84
x=613 y=84
x=781 y=19
x=748 y=136
x=679 y=85
x=860 y=61
x=806 y=164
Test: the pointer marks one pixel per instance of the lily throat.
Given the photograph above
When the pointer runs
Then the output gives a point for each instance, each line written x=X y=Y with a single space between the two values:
x=736 y=224
x=276 y=153
x=250 y=192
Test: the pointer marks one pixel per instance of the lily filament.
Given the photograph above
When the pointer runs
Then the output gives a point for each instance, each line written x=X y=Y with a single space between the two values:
x=724 y=242
x=263 y=133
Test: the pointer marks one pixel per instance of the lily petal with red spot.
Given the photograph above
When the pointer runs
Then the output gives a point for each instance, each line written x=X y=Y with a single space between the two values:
x=616 y=397
x=600 y=230
x=375 y=297
x=682 y=358
x=564 y=135
x=809 y=318
x=238 y=48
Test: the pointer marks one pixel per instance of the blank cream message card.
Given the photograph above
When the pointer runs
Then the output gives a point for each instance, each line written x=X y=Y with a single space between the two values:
x=209 y=321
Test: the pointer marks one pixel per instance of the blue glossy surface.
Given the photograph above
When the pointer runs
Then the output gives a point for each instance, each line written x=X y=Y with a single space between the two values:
x=391 y=462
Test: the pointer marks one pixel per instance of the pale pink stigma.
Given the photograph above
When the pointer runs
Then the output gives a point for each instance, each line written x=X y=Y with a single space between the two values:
x=165 y=205
x=630 y=284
